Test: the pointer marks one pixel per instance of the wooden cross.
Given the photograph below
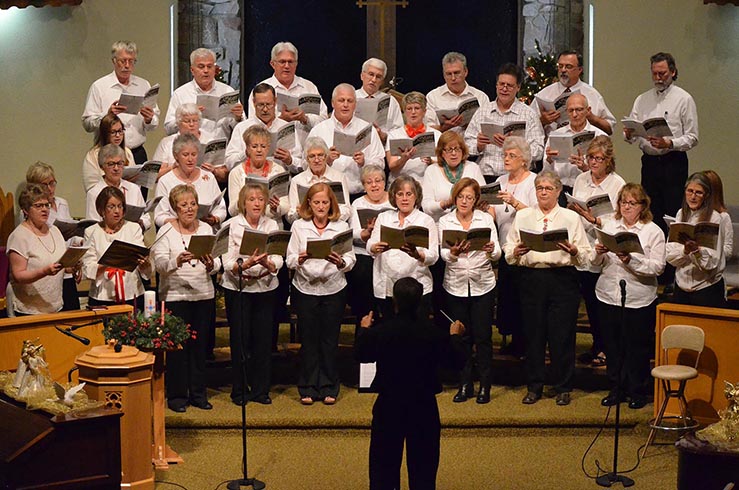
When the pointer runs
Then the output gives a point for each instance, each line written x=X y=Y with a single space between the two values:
x=381 y=20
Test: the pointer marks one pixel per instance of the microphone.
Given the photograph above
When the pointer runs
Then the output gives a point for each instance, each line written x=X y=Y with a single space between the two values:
x=622 y=283
x=69 y=333
x=240 y=262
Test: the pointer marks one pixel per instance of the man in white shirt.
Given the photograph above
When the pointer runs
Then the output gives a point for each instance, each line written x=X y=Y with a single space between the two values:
x=264 y=100
x=664 y=160
x=569 y=66
x=374 y=71
x=284 y=62
x=449 y=95
x=344 y=102
x=203 y=69
x=104 y=94
x=578 y=110
x=506 y=108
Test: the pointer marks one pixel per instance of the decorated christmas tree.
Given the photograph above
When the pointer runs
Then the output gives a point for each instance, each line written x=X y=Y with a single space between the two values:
x=541 y=70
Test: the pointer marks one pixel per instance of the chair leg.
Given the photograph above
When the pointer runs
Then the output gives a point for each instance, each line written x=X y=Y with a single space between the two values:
x=660 y=414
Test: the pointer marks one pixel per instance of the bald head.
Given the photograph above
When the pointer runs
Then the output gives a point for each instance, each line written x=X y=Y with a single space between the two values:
x=578 y=111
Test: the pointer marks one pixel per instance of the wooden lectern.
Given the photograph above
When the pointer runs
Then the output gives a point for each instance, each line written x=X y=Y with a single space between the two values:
x=122 y=380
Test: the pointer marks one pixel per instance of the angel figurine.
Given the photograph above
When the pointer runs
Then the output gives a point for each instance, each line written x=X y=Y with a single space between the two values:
x=36 y=375
x=22 y=363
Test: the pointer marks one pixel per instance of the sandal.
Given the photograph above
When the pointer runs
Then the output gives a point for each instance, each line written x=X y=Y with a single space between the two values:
x=598 y=360
x=329 y=400
x=306 y=400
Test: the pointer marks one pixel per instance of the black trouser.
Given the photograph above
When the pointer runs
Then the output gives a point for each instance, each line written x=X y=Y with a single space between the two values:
x=629 y=344
x=139 y=154
x=509 y=301
x=281 y=312
x=185 y=378
x=476 y=312
x=319 y=321
x=360 y=295
x=549 y=305
x=587 y=289
x=663 y=177
x=562 y=199
x=69 y=295
x=250 y=336
x=415 y=422
x=437 y=294
x=713 y=296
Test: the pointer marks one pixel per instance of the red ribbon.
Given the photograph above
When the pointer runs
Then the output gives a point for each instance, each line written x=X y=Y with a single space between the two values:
x=120 y=290
x=413 y=132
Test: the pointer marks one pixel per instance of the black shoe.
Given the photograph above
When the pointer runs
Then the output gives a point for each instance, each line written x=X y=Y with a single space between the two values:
x=531 y=398
x=178 y=408
x=563 y=399
x=238 y=401
x=637 y=402
x=484 y=395
x=612 y=399
x=465 y=391
x=264 y=400
x=202 y=405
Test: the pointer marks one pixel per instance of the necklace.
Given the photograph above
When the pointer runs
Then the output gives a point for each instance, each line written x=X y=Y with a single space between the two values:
x=248 y=170
x=182 y=239
x=513 y=193
x=38 y=237
x=320 y=227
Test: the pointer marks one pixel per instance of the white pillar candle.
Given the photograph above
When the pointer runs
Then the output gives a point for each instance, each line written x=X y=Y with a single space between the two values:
x=150 y=303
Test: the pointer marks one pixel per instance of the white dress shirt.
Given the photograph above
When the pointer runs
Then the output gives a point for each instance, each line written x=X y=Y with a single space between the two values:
x=131 y=192
x=236 y=148
x=524 y=192
x=307 y=178
x=189 y=282
x=471 y=273
x=374 y=153
x=393 y=264
x=206 y=187
x=595 y=101
x=91 y=171
x=237 y=180
x=678 y=108
x=254 y=281
x=436 y=187
x=640 y=273
x=362 y=203
x=188 y=93
x=317 y=277
x=394 y=114
x=299 y=87
x=532 y=218
x=102 y=287
x=703 y=268
x=567 y=172
x=106 y=90
x=414 y=167
x=728 y=228
x=441 y=98
x=491 y=160
x=164 y=153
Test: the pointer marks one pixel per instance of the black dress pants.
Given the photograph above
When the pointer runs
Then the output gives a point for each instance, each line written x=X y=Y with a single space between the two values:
x=663 y=177
x=476 y=312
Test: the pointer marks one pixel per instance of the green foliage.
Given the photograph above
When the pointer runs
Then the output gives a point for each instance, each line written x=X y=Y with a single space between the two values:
x=541 y=70
x=148 y=333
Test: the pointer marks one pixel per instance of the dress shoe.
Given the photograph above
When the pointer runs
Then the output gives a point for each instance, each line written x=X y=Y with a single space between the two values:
x=329 y=400
x=202 y=405
x=238 y=401
x=178 y=408
x=563 y=399
x=484 y=395
x=306 y=400
x=612 y=399
x=531 y=398
x=637 y=402
x=263 y=400
x=466 y=391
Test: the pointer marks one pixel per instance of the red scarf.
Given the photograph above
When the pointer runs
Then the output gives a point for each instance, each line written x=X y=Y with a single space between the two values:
x=264 y=170
x=120 y=290
x=413 y=132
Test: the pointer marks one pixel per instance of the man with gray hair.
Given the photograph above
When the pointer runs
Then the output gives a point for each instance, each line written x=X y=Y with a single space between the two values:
x=344 y=102
x=284 y=62
x=374 y=71
x=105 y=93
x=449 y=95
x=203 y=69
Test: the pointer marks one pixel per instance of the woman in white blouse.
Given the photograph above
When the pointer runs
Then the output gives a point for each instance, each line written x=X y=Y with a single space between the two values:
x=361 y=297
x=34 y=249
x=250 y=299
x=600 y=179
x=318 y=294
x=257 y=140
x=551 y=297
x=185 y=284
x=414 y=108
x=109 y=286
x=517 y=193
x=185 y=149
x=187 y=117
x=698 y=270
x=451 y=154
x=628 y=332
x=469 y=282
x=111 y=132
x=405 y=194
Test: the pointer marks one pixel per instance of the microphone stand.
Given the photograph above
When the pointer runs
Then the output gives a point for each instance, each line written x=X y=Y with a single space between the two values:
x=610 y=478
x=245 y=481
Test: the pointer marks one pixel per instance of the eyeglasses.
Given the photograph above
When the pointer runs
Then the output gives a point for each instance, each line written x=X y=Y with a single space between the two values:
x=509 y=86
x=126 y=61
x=598 y=159
x=376 y=76
x=461 y=197
x=547 y=188
x=113 y=207
x=285 y=62
x=41 y=205
x=576 y=110
x=117 y=132
x=374 y=181
x=115 y=164
x=630 y=204
x=49 y=184
x=264 y=105
x=698 y=193
x=567 y=67
x=187 y=206
x=511 y=155
x=455 y=149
